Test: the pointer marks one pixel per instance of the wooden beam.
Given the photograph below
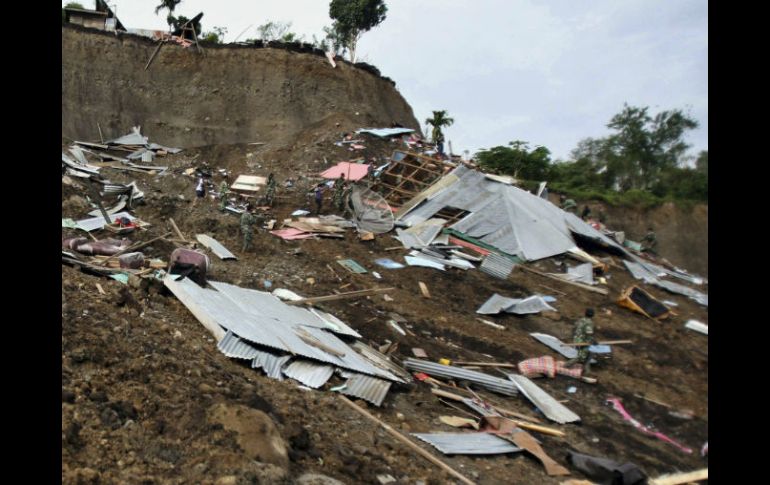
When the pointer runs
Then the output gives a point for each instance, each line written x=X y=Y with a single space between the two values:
x=606 y=342
x=601 y=291
x=680 y=478
x=341 y=296
x=176 y=229
x=403 y=439
x=134 y=248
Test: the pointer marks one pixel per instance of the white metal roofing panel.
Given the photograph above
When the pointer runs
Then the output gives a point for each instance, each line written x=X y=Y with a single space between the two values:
x=309 y=373
x=235 y=347
x=497 y=265
x=368 y=388
x=215 y=246
x=555 y=344
x=271 y=363
x=468 y=443
x=98 y=222
x=551 y=408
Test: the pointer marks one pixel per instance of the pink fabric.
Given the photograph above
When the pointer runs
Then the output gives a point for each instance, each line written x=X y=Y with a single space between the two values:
x=644 y=429
x=351 y=171
x=291 y=234
x=548 y=366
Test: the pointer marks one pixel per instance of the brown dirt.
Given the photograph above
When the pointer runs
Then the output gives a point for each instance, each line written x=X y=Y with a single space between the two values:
x=139 y=382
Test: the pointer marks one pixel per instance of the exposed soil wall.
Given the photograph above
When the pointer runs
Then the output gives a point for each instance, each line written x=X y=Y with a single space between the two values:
x=227 y=95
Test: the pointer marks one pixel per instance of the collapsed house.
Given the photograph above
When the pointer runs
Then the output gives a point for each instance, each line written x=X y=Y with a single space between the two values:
x=285 y=340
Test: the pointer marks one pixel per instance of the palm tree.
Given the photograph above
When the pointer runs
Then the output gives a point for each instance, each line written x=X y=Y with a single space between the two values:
x=167 y=4
x=439 y=120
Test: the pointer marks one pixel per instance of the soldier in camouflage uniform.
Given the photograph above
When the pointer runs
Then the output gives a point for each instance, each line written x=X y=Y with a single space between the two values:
x=223 y=191
x=247 y=227
x=339 y=191
x=270 y=190
x=650 y=242
x=584 y=334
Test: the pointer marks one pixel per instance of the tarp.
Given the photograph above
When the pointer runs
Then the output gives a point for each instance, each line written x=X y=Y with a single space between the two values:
x=351 y=171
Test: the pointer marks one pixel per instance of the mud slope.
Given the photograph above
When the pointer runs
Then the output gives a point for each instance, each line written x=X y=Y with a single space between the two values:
x=228 y=95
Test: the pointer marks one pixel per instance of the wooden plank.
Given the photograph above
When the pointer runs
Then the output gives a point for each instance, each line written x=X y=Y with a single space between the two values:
x=680 y=478
x=403 y=439
x=601 y=291
x=341 y=296
x=508 y=412
x=176 y=229
x=525 y=441
x=605 y=342
x=101 y=290
x=134 y=248
x=424 y=289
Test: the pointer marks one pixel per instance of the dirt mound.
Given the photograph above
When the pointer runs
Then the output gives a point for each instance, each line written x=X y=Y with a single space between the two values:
x=227 y=95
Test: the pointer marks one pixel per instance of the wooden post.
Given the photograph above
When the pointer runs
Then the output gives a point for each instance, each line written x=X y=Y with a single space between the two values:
x=403 y=439
x=176 y=229
x=601 y=291
x=341 y=296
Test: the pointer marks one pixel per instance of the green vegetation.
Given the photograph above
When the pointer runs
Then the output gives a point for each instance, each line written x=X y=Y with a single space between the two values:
x=352 y=18
x=642 y=163
x=277 y=31
x=216 y=35
x=438 y=121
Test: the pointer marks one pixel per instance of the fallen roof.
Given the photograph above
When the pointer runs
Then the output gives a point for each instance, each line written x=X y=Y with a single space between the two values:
x=468 y=443
x=501 y=215
x=268 y=323
x=351 y=171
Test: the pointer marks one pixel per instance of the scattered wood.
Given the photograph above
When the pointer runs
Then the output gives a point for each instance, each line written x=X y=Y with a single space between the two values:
x=458 y=422
x=101 y=290
x=524 y=440
x=341 y=296
x=654 y=401
x=424 y=289
x=134 y=248
x=403 y=439
x=176 y=229
x=552 y=289
x=395 y=248
x=601 y=291
x=491 y=324
x=680 y=478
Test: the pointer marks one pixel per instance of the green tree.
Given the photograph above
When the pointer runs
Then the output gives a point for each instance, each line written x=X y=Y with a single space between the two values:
x=516 y=159
x=702 y=162
x=438 y=121
x=352 y=18
x=278 y=31
x=216 y=35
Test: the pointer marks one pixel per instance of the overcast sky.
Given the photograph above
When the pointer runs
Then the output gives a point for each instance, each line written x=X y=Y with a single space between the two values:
x=547 y=72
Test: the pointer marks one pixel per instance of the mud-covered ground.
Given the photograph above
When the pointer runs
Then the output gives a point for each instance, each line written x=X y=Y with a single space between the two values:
x=147 y=397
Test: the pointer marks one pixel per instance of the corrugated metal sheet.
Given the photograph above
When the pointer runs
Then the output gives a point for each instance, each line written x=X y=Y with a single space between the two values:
x=271 y=323
x=497 y=265
x=215 y=246
x=309 y=373
x=640 y=272
x=582 y=273
x=647 y=273
x=519 y=306
x=468 y=443
x=368 y=388
x=382 y=361
x=272 y=364
x=385 y=132
x=555 y=344
x=550 y=407
x=453 y=261
x=695 y=295
x=98 y=222
x=234 y=347
x=424 y=262
x=133 y=138
x=501 y=386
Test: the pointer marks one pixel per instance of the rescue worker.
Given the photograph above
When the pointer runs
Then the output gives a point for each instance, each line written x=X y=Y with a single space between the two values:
x=650 y=242
x=247 y=227
x=569 y=205
x=270 y=190
x=583 y=334
x=319 y=198
x=224 y=189
x=339 y=191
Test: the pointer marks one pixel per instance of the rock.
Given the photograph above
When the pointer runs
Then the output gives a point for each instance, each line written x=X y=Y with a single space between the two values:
x=256 y=433
x=227 y=480
x=205 y=388
x=317 y=479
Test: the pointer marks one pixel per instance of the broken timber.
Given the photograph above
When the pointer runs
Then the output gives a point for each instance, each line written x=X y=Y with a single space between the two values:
x=341 y=296
x=601 y=291
x=606 y=342
x=403 y=439
x=681 y=478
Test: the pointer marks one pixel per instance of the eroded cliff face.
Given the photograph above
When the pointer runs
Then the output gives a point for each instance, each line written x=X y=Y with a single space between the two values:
x=233 y=94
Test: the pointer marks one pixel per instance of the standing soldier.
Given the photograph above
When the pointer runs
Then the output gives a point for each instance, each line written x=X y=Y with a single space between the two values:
x=247 y=227
x=339 y=191
x=319 y=198
x=223 y=191
x=270 y=190
x=650 y=242
x=583 y=334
